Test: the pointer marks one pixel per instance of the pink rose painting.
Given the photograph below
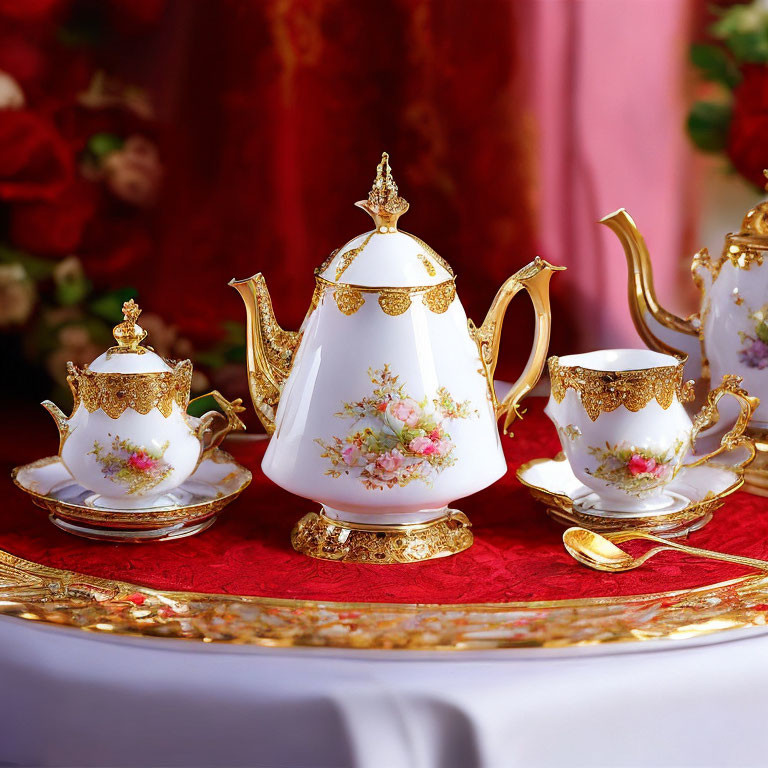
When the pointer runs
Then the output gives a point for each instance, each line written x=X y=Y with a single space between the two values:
x=137 y=468
x=634 y=470
x=395 y=439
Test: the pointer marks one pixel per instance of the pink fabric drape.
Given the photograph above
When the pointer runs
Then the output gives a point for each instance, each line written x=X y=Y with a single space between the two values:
x=609 y=93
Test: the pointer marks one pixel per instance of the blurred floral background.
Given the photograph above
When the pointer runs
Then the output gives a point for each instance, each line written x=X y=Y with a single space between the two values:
x=158 y=148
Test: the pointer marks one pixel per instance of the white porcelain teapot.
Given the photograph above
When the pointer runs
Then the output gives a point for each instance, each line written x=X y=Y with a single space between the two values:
x=382 y=406
x=729 y=334
x=129 y=438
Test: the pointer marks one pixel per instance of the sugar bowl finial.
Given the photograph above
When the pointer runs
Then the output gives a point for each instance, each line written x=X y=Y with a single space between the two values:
x=129 y=334
x=384 y=204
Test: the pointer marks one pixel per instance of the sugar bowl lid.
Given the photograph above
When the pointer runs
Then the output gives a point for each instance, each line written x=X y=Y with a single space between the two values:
x=385 y=257
x=129 y=356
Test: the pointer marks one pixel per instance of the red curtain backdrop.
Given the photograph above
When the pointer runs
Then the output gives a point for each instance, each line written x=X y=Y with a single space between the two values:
x=512 y=127
x=277 y=114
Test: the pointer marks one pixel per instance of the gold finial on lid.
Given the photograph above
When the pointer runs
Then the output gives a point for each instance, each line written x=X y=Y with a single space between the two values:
x=384 y=204
x=129 y=334
x=756 y=220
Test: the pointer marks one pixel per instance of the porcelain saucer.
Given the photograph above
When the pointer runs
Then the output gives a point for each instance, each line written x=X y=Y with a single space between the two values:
x=693 y=496
x=188 y=509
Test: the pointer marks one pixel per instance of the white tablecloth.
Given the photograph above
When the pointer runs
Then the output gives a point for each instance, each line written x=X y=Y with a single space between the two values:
x=72 y=699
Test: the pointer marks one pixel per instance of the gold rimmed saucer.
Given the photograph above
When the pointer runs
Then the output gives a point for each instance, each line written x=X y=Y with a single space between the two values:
x=704 y=488
x=188 y=509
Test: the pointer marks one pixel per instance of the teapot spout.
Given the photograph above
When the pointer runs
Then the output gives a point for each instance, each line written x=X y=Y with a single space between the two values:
x=62 y=422
x=647 y=314
x=534 y=278
x=270 y=349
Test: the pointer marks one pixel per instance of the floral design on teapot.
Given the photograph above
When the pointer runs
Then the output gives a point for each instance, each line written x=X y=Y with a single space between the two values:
x=136 y=468
x=635 y=470
x=754 y=351
x=405 y=439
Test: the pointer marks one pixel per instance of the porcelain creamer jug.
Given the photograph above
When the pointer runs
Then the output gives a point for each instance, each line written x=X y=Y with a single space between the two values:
x=129 y=438
x=382 y=406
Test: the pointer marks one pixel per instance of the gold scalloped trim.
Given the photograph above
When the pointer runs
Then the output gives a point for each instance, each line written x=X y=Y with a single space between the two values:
x=393 y=301
x=604 y=391
x=115 y=392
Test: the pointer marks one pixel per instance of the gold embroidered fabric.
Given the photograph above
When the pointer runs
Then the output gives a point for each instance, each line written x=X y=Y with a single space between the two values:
x=35 y=592
x=114 y=392
x=605 y=391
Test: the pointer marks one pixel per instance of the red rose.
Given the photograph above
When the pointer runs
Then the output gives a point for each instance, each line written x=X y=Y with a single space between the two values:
x=747 y=147
x=55 y=226
x=35 y=162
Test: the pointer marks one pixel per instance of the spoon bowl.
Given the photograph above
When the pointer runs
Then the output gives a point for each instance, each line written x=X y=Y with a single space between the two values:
x=596 y=551
x=601 y=553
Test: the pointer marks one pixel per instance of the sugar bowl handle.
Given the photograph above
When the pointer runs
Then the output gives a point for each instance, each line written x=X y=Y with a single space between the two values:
x=215 y=426
x=708 y=417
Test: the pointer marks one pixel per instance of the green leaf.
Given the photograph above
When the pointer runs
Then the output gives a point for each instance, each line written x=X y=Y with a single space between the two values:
x=744 y=29
x=109 y=306
x=36 y=268
x=72 y=291
x=102 y=144
x=708 y=124
x=762 y=332
x=715 y=64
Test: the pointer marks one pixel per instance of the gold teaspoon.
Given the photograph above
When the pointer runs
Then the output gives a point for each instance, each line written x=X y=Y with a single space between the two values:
x=600 y=552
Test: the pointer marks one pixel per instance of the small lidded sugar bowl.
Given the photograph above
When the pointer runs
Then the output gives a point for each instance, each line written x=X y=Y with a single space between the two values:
x=130 y=439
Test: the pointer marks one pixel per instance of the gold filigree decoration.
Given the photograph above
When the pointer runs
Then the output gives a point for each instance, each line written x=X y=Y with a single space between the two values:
x=280 y=345
x=439 y=298
x=319 y=536
x=113 y=393
x=349 y=256
x=384 y=204
x=327 y=262
x=431 y=271
x=348 y=299
x=54 y=596
x=708 y=416
x=604 y=391
x=271 y=348
x=570 y=431
x=433 y=253
x=394 y=302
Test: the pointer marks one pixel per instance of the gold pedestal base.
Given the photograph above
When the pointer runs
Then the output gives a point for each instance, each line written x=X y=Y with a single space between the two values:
x=317 y=535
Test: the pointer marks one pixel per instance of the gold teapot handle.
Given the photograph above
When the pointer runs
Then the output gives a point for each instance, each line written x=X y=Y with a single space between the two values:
x=534 y=278
x=708 y=416
x=208 y=432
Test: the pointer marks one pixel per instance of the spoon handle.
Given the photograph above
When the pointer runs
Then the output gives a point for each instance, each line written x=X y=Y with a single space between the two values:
x=740 y=560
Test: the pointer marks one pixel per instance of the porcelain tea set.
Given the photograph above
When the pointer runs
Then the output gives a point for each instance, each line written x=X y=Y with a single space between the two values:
x=382 y=407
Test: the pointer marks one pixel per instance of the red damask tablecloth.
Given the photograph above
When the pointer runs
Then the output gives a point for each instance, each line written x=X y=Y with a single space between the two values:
x=517 y=554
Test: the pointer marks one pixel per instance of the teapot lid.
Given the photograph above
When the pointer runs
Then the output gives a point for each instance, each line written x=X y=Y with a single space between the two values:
x=754 y=227
x=385 y=257
x=129 y=356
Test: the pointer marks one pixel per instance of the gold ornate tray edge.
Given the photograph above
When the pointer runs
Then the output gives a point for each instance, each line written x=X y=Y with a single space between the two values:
x=35 y=592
